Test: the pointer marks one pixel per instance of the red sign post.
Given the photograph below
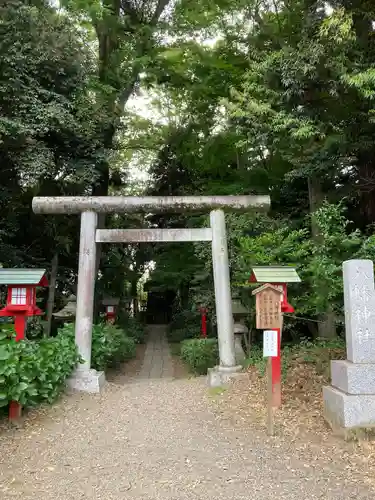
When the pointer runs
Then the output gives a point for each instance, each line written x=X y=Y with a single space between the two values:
x=21 y=304
x=271 y=304
x=277 y=277
x=203 y=311
x=269 y=317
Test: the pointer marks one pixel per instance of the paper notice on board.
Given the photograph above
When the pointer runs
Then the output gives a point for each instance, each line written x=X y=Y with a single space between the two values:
x=270 y=343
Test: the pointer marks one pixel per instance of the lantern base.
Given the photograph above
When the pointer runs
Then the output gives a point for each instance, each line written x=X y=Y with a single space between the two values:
x=220 y=376
x=86 y=381
x=238 y=349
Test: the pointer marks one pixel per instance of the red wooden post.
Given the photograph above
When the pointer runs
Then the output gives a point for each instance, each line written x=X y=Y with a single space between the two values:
x=203 y=311
x=276 y=373
x=15 y=408
x=20 y=326
x=204 y=325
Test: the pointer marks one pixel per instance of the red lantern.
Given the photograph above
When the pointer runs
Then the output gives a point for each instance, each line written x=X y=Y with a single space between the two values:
x=21 y=299
x=21 y=303
x=110 y=305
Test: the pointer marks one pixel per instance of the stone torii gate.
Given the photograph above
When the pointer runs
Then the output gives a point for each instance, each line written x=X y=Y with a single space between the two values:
x=87 y=379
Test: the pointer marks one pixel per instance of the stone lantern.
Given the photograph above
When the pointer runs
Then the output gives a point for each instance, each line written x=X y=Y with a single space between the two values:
x=68 y=312
x=239 y=313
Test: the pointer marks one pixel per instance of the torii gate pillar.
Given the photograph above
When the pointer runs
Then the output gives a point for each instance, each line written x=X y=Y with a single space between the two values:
x=87 y=379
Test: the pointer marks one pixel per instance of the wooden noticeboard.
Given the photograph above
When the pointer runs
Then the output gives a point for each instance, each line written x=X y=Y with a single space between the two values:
x=268 y=307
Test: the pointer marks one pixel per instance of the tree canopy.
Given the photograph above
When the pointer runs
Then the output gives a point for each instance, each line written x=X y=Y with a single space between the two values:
x=177 y=98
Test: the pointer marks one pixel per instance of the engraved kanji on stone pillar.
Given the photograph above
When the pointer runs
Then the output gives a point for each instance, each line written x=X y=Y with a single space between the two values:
x=359 y=305
x=350 y=401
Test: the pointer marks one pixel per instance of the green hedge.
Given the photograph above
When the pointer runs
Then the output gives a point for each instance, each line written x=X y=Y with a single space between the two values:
x=200 y=354
x=187 y=325
x=180 y=334
x=135 y=330
x=133 y=327
x=33 y=372
x=110 y=345
x=185 y=319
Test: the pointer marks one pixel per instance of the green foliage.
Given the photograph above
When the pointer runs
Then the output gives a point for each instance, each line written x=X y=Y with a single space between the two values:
x=110 y=345
x=48 y=139
x=200 y=354
x=180 y=334
x=185 y=324
x=281 y=103
x=185 y=319
x=319 y=262
x=135 y=330
x=318 y=352
x=34 y=328
x=256 y=359
x=34 y=372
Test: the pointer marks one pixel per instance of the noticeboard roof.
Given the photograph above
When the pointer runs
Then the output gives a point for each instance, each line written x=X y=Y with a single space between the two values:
x=19 y=276
x=274 y=274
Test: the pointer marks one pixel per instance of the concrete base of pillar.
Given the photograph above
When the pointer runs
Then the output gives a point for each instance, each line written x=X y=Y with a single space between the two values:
x=238 y=350
x=353 y=378
x=349 y=414
x=220 y=376
x=86 y=381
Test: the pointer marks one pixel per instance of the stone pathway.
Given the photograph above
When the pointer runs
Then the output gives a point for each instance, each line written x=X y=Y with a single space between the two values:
x=159 y=439
x=157 y=362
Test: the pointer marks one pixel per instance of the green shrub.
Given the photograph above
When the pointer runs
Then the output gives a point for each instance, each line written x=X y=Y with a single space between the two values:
x=256 y=359
x=33 y=372
x=181 y=334
x=185 y=319
x=318 y=352
x=135 y=330
x=110 y=346
x=132 y=326
x=200 y=354
x=34 y=328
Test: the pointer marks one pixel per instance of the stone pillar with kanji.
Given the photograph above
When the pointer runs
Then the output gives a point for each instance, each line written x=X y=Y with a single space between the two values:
x=349 y=403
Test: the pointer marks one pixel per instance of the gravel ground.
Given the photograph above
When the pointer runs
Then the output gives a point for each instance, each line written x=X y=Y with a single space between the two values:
x=159 y=439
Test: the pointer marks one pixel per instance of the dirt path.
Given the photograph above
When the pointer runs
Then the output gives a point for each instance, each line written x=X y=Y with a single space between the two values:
x=159 y=439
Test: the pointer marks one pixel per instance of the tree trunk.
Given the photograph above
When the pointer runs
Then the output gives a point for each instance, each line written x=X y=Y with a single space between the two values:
x=51 y=294
x=134 y=295
x=327 y=321
x=184 y=295
x=366 y=184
